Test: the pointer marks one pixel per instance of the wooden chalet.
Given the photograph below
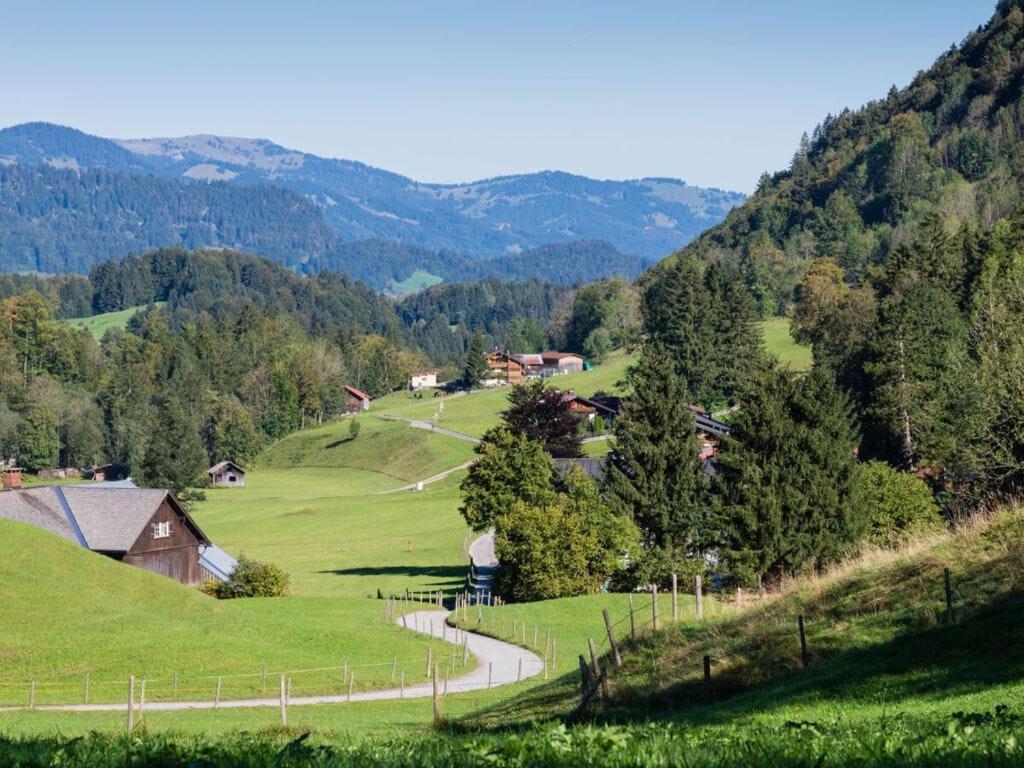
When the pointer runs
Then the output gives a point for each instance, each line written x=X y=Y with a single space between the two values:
x=356 y=400
x=144 y=527
x=503 y=369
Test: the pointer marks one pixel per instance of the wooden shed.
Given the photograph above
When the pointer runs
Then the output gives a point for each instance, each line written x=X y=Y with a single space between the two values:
x=226 y=474
x=356 y=400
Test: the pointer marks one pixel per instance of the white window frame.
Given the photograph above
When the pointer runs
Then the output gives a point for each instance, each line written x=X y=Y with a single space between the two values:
x=162 y=530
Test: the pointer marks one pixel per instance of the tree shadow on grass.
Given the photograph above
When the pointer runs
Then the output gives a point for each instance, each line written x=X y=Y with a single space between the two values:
x=437 y=571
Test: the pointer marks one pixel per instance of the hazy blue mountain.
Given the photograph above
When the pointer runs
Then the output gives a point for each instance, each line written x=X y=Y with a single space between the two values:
x=647 y=218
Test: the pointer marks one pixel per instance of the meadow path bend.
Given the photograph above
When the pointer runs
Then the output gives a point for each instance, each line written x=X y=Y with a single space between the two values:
x=498 y=663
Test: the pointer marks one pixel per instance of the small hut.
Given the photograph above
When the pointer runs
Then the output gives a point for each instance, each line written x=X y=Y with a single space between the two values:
x=226 y=474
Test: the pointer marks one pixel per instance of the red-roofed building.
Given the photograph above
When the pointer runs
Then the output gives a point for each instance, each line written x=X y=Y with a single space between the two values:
x=356 y=400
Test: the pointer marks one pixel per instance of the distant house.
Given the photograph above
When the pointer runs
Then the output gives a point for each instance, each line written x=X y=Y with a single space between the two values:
x=503 y=369
x=61 y=473
x=355 y=400
x=108 y=473
x=591 y=407
x=423 y=380
x=144 y=527
x=226 y=474
x=594 y=467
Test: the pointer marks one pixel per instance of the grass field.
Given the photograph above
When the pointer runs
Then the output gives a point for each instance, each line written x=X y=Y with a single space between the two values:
x=97 y=325
x=417 y=281
x=325 y=508
x=779 y=342
x=67 y=612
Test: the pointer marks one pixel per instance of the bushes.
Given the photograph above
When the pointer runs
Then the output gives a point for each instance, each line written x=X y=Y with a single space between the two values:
x=252 y=578
x=898 y=505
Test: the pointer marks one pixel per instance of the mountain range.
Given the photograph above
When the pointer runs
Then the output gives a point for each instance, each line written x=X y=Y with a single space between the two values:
x=69 y=199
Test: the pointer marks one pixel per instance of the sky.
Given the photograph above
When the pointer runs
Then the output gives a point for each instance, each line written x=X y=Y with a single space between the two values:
x=712 y=92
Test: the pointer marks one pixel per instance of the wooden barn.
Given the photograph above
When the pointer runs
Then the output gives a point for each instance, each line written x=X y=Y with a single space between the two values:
x=144 y=527
x=226 y=474
x=355 y=400
x=502 y=369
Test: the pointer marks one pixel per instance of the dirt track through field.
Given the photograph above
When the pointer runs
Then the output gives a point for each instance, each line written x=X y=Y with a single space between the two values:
x=498 y=663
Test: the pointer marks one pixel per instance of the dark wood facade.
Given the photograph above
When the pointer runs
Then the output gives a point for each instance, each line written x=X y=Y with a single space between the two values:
x=175 y=555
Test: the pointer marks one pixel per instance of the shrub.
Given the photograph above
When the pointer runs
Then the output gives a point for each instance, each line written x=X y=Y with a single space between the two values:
x=253 y=578
x=353 y=429
x=898 y=505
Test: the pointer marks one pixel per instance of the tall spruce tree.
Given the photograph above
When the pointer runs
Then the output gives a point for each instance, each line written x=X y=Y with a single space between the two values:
x=653 y=474
x=174 y=457
x=476 y=362
x=785 y=477
x=702 y=316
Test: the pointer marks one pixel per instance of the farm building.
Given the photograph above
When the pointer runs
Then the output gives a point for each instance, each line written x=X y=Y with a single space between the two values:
x=143 y=527
x=556 y=363
x=423 y=380
x=226 y=474
x=355 y=400
x=12 y=478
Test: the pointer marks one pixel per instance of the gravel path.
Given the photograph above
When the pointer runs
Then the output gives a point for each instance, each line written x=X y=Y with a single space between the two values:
x=498 y=663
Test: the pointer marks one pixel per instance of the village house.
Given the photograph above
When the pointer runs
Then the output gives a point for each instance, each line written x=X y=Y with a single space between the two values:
x=356 y=400
x=423 y=380
x=144 y=527
x=226 y=474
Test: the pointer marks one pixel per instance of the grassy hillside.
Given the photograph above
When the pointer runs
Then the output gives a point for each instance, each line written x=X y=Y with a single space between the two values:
x=383 y=447
x=417 y=281
x=67 y=612
x=878 y=644
x=97 y=325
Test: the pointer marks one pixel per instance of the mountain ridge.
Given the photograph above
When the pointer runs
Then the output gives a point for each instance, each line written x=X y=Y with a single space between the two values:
x=647 y=217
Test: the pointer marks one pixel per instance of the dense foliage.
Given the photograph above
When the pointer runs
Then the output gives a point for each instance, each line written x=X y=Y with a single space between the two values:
x=542 y=415
x=253 y=578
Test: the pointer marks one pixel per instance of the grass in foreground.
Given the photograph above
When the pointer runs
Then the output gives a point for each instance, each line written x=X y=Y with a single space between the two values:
x=67 y=612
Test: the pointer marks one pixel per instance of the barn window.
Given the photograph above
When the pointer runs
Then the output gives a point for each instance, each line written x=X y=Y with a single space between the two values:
x=232 y=478
x=162 y=530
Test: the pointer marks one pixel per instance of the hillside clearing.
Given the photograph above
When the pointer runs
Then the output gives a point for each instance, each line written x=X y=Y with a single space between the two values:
x=98 y=325
x=779 y=342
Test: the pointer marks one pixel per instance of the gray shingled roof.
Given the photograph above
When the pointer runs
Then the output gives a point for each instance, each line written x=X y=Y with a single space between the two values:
x=112 y=519
x=224 y=465
x=39 y=507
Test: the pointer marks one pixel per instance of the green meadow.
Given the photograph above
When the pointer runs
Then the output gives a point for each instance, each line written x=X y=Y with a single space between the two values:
x=97 y=325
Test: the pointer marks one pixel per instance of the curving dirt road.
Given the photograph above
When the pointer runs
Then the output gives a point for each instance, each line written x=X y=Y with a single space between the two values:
x=498 y=663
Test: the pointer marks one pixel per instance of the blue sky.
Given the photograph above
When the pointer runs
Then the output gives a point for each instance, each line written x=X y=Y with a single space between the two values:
x=712 y=92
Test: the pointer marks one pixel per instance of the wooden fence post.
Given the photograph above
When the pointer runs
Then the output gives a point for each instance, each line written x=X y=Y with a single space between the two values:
x=675 y=599
x=216 y=696
x=655 y=622
x=394 y=668
x=401 y=694
x=595 y=667
x=699 y=591
x=437 y=702
x=519 y=677
x=949 y=595
x=803 y=642
x=430 y=659
x=490 y=673
x=739 y=597
x=632 y=622
x=284 y=704
x=611 y=638
x=131 y=703
x=351 y=683
x=32 y=695
x=86 y=687
x=142 y=700
x=707 y=677
x=344 y=672
x=465 y=650
x=554 y=653
x=174 y=684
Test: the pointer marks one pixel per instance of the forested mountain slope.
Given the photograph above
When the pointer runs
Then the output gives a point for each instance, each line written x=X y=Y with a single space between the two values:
x=950 y=143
